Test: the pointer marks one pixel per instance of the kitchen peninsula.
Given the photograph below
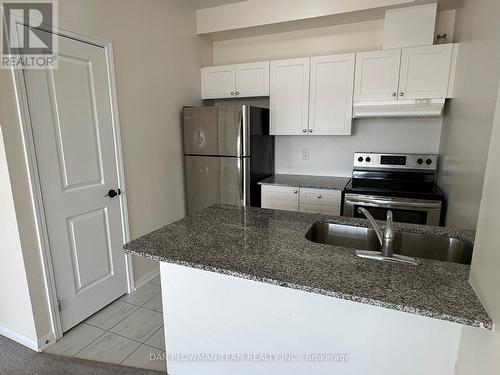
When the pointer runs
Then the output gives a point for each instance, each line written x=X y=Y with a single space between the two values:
x=246 y=280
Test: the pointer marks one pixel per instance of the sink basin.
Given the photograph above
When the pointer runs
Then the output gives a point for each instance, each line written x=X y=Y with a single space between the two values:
x=409 y=244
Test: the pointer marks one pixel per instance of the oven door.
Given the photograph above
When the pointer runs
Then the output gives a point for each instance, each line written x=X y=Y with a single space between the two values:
x=415 y=211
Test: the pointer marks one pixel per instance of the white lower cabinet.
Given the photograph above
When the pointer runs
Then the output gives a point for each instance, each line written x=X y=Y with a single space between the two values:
x=323 y=201
x=280 y=197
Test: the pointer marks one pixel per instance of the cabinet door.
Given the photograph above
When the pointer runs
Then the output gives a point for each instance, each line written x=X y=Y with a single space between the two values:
x=425 y=72
x=377 y=75
x=252 y=79
x=218 y=82
x=289 y=96
x=331 y=93
x=280 y=197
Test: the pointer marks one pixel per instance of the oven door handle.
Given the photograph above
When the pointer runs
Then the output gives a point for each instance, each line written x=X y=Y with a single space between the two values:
x=393 y=203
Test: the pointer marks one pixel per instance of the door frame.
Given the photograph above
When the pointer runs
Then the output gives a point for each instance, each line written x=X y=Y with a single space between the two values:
x=34 y=176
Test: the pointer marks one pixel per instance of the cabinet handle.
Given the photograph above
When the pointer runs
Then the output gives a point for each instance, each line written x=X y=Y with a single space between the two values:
x=394 y=94
x=310 y=130
x=232 y=93
x=237 y=93
x=304 y=130
x=401 y=93
x=295 y=191
x=319 y=196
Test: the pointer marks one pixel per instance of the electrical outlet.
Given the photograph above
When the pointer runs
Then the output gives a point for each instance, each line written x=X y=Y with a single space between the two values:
x=306 y=154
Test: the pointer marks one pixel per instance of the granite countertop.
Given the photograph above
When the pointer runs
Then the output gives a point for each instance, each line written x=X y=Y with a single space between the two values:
x=269 y=246
x=312 y=182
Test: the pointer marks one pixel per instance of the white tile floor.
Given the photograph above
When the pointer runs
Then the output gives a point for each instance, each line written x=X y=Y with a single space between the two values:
x=128 y=331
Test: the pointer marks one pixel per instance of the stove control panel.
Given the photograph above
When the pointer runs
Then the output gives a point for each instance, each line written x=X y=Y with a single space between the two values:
x=395 y=161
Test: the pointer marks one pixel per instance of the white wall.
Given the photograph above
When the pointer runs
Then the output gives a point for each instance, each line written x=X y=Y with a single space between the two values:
x=16 y=313
x=480 y=350
x=251 y=13
x=352 y=37
x=333 y=156
x=468 y=120
x=157 y=60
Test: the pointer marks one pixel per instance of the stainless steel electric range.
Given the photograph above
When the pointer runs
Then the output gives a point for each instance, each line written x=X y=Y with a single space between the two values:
x=402 y=183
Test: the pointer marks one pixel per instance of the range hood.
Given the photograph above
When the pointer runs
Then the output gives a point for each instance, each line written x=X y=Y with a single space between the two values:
x=399 y=108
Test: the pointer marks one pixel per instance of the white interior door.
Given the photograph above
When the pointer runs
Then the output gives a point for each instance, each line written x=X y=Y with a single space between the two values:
x=71 y=114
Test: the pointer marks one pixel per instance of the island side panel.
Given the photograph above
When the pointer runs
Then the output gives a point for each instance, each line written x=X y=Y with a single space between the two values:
x=219 y=324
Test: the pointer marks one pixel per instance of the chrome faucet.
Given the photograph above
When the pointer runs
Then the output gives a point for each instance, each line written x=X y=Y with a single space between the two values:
x=386 y=239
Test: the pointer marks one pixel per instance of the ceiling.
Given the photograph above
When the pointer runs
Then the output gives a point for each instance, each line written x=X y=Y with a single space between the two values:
x=202 y=4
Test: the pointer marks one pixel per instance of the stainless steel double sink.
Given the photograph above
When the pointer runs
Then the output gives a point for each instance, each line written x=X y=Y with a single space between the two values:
x=409 y=244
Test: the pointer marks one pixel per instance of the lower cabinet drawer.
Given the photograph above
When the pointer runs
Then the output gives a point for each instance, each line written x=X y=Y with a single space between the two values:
x=320 y=196
x=320 y=209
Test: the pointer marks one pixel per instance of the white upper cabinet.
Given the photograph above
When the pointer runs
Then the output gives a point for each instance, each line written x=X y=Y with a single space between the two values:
x=331 y=94
x=252 y=79
x=425 y=72
x=231 y=81
x=377 y=75
x=408 y=73
x=289 y=96
x=218 y=82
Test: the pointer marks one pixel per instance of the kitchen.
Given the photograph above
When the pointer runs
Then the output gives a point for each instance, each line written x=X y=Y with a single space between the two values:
x=322 y=202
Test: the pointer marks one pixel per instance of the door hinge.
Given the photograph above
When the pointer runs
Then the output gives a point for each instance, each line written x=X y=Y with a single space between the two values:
x=59 y=306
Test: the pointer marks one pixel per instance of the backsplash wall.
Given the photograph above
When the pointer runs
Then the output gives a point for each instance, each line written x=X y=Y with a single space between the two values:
x=333 y=155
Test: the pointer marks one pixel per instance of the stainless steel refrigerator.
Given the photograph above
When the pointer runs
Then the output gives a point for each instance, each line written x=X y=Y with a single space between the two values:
x=227 y=150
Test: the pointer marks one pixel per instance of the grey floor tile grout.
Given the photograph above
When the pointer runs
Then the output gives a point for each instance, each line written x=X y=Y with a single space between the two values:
x=117 y=334
x=125 y=317
x=133 y=304
x=147 y=308
x=131 y=354
x=106 y=331
x=97 y=338
x=161 y=328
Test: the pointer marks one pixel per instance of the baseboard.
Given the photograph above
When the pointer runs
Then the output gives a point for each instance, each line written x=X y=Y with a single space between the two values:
x=143 y=280
x=46 y=341
x=32 y=343
x=20 y=338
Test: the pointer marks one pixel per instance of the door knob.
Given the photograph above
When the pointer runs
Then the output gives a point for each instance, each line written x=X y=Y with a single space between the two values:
x=113 y=193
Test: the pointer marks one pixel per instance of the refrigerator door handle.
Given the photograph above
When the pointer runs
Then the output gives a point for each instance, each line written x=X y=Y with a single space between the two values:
x=244 y=121
x=244 y=181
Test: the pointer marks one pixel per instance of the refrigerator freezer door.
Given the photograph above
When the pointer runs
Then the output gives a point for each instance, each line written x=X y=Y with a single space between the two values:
x=215 y=131
x=212 y=180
